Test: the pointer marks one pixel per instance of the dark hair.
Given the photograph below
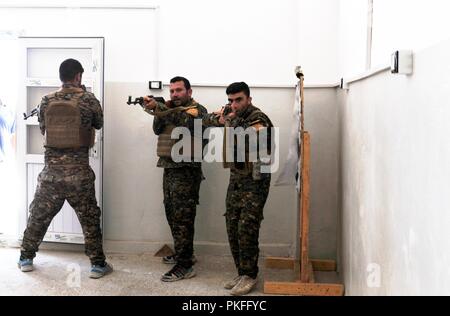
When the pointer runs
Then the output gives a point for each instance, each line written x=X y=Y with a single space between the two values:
x=237 y=87
x=187 y=84
x=69 y=69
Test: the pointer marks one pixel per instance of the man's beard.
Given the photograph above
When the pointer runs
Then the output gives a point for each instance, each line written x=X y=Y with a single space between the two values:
x=180 y=102
x=241 y=111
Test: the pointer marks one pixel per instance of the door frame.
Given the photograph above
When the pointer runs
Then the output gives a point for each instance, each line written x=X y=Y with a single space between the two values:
x=97 y=45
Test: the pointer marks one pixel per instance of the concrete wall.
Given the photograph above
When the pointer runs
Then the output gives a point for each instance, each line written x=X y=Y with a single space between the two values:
x=395 y=188
x=134 y=213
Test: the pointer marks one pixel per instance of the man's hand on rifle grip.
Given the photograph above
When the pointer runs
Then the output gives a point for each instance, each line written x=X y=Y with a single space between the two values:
x=149 y=103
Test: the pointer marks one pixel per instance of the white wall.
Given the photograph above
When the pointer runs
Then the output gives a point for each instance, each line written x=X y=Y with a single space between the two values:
x=397 y=24
x=321 y=112
x=226 y=41
x=352 y=36
x=258 y=41
x=318 y=25
x=9 y=74
x=395 y=188
x=129 y=33
x=408 y=24
x=210 y=42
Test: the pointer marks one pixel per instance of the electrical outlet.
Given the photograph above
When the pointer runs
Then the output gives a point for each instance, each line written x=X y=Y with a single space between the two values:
x=402 y=62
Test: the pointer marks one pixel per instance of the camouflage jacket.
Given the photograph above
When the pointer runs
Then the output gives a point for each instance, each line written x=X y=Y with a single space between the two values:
x=243 y=119
x=91 y=116
x=179 y=119
x=249 y=117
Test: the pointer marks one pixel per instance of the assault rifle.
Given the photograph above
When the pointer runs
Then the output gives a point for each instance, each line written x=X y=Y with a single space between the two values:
x=140 y=100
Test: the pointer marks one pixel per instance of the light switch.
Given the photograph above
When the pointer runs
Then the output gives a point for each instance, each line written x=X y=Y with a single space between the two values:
x=155 y=85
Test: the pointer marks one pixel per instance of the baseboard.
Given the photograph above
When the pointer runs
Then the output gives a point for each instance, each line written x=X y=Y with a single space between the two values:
x=138 y=247
x=201 y=248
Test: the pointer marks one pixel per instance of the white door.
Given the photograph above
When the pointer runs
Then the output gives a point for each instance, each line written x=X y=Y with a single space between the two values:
x=41 y=58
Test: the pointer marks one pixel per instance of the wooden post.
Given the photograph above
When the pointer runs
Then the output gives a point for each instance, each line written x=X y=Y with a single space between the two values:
x=304 y=209
x=307 y=289
x=306 y=285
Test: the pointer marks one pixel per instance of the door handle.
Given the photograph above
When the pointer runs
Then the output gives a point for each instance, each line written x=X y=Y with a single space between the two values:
x=93 y=152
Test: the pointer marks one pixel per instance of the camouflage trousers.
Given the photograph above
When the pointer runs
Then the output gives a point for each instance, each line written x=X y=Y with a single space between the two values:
x=55 y=185
x=244 y=212
x=181 y=188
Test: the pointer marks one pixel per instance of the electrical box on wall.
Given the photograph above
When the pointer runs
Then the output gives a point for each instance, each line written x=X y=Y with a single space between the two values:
x=152 y=85
x=402 y=62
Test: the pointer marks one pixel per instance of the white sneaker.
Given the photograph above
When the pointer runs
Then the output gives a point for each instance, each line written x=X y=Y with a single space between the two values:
x=244 y=286
x=232 y=283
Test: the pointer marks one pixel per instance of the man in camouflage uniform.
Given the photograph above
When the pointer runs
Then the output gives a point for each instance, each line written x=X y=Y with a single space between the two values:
x=67 y=118
x=248 y=188
x=181 y=180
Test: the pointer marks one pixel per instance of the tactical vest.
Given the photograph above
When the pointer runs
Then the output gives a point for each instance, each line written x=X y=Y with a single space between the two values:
x=165 y=141
x=63 y=127
x=229 y=145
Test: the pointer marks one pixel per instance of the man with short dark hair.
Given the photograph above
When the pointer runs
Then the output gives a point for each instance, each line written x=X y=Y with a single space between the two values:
x=67 y=119
x=249 y=186
x=181 y=179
